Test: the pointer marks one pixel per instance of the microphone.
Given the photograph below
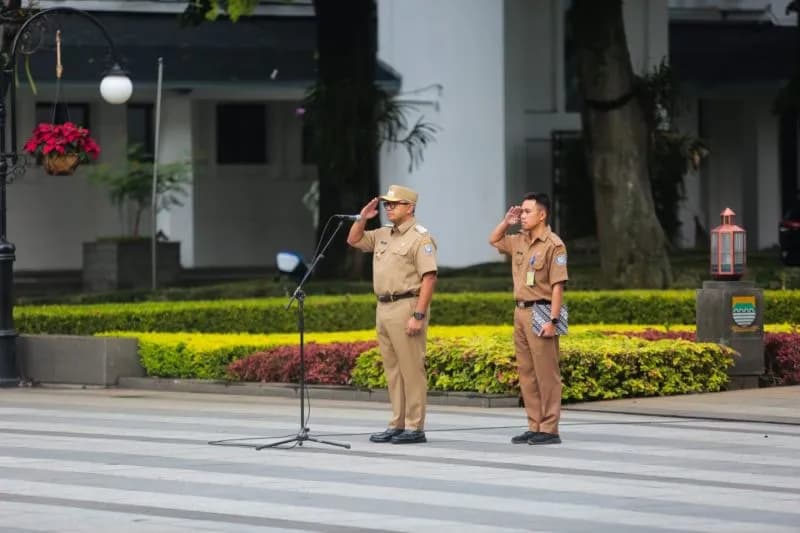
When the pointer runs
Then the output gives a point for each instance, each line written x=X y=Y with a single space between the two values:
x=352 y=218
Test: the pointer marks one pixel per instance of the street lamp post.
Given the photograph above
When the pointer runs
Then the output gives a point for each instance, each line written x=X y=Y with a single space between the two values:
x=115 y=88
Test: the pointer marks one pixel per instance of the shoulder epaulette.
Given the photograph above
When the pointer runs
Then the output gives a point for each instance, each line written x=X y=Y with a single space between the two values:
x=421 y=229
x=556 y=239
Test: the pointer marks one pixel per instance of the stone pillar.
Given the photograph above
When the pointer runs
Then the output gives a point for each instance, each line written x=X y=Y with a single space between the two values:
x=732 y=313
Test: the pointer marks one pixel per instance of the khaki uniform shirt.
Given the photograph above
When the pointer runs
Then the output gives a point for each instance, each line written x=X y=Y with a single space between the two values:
x=545 y=256
x=400 y=256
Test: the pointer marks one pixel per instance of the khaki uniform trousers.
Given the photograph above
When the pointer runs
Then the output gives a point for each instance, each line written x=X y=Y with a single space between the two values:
x=404 y=363
x=539 y=374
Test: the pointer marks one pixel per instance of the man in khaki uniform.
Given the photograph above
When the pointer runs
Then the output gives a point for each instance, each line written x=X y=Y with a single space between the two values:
x=539 y=270
x=404 y=276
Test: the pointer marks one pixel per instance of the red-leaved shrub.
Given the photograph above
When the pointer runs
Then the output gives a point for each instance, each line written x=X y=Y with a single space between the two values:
x=325 y=364
x=782 y=352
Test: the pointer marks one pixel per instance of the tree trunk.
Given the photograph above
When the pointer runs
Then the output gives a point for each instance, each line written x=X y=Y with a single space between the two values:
x=633 y=247
x=346 y=145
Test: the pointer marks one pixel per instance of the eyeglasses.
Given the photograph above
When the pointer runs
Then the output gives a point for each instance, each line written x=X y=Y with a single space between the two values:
x=392 y=205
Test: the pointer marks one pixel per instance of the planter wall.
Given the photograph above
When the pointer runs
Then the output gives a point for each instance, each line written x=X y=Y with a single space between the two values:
x=126 y=264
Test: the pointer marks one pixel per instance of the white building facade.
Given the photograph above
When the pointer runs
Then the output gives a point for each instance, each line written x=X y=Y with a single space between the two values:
x=491 y=74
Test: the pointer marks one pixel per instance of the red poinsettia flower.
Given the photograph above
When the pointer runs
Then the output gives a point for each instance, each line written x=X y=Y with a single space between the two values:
x=67 y=138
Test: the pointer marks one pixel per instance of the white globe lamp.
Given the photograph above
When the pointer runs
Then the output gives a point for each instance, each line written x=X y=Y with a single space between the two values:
x=116 y=87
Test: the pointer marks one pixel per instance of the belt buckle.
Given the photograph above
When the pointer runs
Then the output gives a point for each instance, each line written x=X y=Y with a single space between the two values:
x=520 y=304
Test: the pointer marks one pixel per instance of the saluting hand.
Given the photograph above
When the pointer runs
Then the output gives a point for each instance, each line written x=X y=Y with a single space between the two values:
x=370 y=210
x=512 y=216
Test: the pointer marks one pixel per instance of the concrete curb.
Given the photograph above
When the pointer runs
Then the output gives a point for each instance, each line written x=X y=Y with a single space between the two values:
x=316 y=392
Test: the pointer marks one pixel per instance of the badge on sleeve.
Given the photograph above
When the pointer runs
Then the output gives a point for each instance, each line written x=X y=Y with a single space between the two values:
x=428 y=249
x=561 y=259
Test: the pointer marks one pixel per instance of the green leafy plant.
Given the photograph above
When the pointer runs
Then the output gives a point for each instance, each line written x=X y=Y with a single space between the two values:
x=593 y=366
x=134 y=185
x=347 y=312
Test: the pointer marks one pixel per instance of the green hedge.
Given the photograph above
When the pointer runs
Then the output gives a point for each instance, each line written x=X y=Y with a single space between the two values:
x=348 y=312
x=593 y=366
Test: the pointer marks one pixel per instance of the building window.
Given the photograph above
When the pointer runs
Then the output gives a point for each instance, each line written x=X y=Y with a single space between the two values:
x=241 y=134
x=50 y=113
x=140 y=128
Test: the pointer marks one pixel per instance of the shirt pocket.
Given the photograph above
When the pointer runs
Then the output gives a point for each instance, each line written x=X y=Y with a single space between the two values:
x=402 y=253
x=541 y=273
x=518 y=262
x=380 y=252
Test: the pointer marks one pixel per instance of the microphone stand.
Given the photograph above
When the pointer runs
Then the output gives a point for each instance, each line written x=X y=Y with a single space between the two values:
x=298 y=294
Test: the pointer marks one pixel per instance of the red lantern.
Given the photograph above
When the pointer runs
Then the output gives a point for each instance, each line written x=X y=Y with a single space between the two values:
x=728 y=248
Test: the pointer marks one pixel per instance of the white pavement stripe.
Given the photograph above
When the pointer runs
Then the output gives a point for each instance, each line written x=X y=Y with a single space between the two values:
x=589 y=513
x=263 y=509
x=510 y=455
x=696 y=454
x=206 y=432
x=49 y=518
x=502 y=475
x=572 y=421
x=730 y=499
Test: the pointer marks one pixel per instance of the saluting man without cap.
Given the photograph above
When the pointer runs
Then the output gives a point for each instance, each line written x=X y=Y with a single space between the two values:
x=404 y=276
x=539 y=271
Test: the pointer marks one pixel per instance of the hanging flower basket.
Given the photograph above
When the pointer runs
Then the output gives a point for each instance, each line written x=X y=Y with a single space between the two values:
x=61 y=147
x=57 y=164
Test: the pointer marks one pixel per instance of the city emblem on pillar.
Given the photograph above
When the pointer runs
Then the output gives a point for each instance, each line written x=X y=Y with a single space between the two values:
x=743 y=309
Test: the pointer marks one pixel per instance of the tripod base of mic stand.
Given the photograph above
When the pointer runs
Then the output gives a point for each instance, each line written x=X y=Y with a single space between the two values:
x=302 y=437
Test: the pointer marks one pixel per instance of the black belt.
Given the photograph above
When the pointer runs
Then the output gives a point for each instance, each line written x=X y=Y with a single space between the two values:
x=522 y=304
x=383 y=298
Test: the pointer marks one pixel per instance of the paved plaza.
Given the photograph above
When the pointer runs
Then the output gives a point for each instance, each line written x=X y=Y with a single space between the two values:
x=131 y=460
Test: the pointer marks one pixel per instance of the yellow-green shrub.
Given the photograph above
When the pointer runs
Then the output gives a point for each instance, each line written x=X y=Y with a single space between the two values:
x=593 y=366
x=207 y=355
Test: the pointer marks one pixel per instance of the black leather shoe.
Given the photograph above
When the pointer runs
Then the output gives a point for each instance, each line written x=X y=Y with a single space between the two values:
x=545 y=438
x=522 y=438
x=385 y=436
x=409 y=437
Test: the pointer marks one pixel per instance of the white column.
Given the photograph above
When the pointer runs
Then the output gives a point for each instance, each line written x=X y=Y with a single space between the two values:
x=768 y=177
x=457 y=44
x=176 y=145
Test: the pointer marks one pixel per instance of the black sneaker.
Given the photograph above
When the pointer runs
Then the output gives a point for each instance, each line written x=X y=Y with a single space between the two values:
x=522 y=438
x=409 y=437
x=385 y=436
x=545 y=438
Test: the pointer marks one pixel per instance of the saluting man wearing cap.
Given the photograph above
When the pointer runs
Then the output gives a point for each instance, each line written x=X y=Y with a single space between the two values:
x=404 y=276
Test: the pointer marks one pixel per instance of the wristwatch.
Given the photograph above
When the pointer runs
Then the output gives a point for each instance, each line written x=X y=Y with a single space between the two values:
x=418 y=315
x=555 y=320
